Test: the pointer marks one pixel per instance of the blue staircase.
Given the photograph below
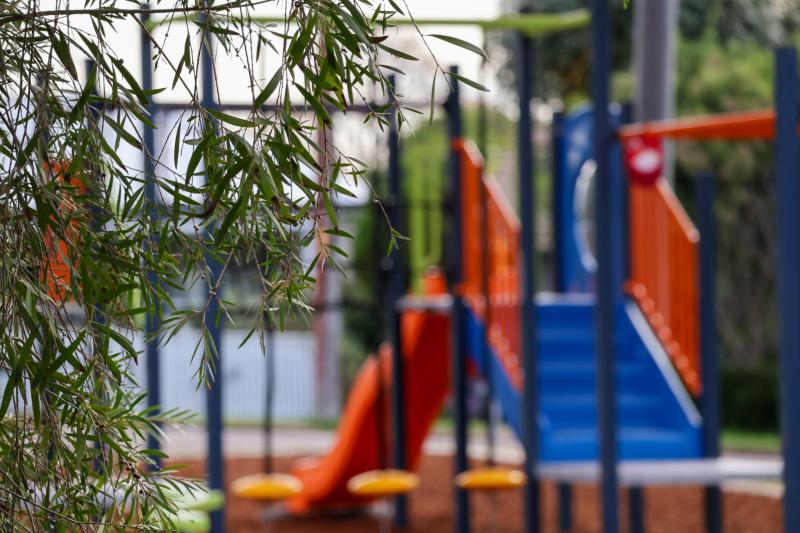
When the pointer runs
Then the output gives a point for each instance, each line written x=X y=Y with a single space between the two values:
x=656 y=417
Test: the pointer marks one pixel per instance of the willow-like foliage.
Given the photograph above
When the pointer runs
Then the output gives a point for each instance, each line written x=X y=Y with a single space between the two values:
x=86 y=253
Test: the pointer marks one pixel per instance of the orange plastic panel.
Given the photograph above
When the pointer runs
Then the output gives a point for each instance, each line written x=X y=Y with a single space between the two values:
x=426 y=356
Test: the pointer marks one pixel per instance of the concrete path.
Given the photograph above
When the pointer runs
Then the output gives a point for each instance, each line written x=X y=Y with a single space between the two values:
x=189 y=443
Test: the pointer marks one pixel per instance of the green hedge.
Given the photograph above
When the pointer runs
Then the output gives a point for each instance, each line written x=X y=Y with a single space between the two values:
x=750 y=398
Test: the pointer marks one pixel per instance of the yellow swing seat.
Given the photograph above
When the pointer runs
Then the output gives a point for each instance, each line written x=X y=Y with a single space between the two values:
x=383 y=483
x=267 y=487
x=491 y=478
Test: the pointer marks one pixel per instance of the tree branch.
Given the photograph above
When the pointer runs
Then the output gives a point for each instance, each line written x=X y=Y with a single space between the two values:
x=110 y=11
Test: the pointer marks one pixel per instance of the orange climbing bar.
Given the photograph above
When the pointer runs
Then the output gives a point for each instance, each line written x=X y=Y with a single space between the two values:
x=740 y=125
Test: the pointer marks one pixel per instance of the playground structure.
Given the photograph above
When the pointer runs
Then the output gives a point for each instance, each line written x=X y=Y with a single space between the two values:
x=618 y=356
x=658 y=418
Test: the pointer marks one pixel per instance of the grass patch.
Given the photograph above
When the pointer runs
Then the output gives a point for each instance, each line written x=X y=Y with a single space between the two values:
x=747 y=441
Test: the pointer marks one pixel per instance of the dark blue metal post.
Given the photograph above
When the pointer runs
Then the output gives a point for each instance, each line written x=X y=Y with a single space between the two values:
x=99 y=317
x=604 y=311
x=621 y=267
x=527 y=205
x=564 y=507
x=216 y=464
x=486 y=350
x=635 y=510
x=564 y=489
x=397 y=281
x=455 y=274
x=710 y=398
x=625 y=117
x=557 y=136
x=787 y=164
x=153 y=318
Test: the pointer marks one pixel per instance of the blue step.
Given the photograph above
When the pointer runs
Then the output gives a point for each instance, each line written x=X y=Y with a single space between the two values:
x=578 y=375
x=643 y=442
x=580 y=410
x=656 y=419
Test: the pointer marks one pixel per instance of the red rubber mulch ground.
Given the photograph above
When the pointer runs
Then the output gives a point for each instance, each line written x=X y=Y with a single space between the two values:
x=668 y=510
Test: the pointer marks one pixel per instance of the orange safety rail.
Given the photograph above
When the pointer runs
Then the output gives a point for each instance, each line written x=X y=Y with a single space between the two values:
x=58 y=263
x=739 y=125
x=503 y=234
x=664 y=274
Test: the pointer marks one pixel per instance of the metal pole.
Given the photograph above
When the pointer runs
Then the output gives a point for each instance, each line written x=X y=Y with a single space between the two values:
x=620 y=222
x=216 y=465
x=396 y=289
x=483 y=118
x=787 y=148
x=564 y=507
x=486 y=349
x=455 y=272
x=269 y=396
x=604 y=311
x=527 y=203
x=93 y=121
x=655 y=24
x=636 y=510
x=709 y=400
x=153 y=319
x=557 y=136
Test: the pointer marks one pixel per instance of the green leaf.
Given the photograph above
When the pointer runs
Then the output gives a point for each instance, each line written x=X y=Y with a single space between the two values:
x=120 y=130
x=432 y=108
x=85 y=94
x=339 y=233
x=230 y=218
x=269 y=89
x=467 y=81
x=338 y=250
x=197 y=156
x=397 y=53
x=231 y=119
x=61 y=48
x=460 y=43
x=132 y=83
x=299 y=47
x=24 y=356
x=176 y=149
x=155 y=453
x=218 y=30
x=326 y=199
x=322 y=113
x=396 y=7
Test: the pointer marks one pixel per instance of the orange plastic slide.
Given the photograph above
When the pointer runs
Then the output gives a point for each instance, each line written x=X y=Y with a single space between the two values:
x=427 y=379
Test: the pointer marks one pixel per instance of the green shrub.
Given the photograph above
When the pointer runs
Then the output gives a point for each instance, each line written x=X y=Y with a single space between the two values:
x=750 y=398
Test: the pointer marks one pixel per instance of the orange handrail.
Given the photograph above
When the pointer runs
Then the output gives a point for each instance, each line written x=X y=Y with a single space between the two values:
x=502 y=245
x=738 y=125
x=664 y=274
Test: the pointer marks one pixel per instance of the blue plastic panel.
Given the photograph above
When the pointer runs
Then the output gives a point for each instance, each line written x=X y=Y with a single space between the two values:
x=656 y=422
x=572 y=153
